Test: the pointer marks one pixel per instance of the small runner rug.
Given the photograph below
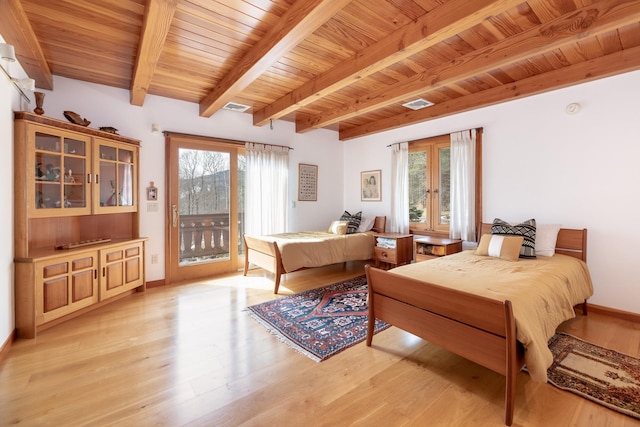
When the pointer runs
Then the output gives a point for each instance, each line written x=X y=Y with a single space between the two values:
x=320 y=322
x=604 y=376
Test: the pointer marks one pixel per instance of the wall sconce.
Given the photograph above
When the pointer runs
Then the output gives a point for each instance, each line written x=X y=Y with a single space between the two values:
x=8 y=53
x=155 y=129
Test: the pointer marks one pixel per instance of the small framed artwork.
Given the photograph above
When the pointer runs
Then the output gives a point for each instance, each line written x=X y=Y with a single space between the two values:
x=370 y=186
x=152 y=192
x=307 y=182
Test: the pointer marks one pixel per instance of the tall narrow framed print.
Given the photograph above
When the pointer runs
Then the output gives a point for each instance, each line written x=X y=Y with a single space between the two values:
x=370 y=186
x=307 y=182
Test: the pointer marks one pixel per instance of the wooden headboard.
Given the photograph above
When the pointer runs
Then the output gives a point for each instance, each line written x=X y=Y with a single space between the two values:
x=380 y=224
x=571 y=241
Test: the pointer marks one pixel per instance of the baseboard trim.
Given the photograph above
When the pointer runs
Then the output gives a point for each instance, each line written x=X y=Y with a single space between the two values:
x=155 y=284
x=613 y=312
x=6 y=345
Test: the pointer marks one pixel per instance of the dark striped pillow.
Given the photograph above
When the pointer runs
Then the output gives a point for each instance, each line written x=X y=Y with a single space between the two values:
x=527 y=229
x=354 y=221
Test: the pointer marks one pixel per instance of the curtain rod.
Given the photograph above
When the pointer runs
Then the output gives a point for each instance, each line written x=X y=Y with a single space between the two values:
x=15 y=84
x=213 y=138
x=477 y=129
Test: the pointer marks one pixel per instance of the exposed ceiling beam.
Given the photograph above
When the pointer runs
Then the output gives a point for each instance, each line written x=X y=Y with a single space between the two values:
x=588 y=21
x=430 y=29
x=300 y=20
x=17 y=31
x=605 y=66
x=157 y=20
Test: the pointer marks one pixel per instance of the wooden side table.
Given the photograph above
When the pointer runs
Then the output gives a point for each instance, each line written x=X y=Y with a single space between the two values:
x=402 y=253
x=428 y=247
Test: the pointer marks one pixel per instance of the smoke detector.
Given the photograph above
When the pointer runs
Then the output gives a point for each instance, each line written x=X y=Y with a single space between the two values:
x=418 y=104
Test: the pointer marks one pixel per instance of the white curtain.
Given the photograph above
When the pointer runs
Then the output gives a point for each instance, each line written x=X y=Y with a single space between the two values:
x=266 y=189
x=463 y=173
x=126 y=196
x=400 y=188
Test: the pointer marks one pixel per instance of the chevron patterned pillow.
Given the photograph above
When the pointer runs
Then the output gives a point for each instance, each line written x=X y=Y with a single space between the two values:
x=353 y=219
x=527 y=229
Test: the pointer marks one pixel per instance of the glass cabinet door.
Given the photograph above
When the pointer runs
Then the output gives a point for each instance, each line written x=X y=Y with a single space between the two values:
x=60 y=174
x=116 y=177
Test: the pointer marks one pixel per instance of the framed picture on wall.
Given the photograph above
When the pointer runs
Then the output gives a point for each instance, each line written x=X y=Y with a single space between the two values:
x=370 y=186
x=307 y=182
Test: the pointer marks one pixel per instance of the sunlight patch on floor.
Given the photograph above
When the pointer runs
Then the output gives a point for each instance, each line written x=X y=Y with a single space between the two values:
x=245 y=282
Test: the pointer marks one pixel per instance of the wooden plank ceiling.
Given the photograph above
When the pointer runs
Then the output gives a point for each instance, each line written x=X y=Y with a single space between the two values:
x=346 y=65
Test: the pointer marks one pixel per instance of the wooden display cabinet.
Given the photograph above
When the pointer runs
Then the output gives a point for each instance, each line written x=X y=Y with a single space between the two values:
x=401 y=253
x=432 y=247
x=74 y=186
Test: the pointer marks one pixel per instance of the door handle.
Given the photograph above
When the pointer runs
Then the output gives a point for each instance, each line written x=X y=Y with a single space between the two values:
x=174 y=210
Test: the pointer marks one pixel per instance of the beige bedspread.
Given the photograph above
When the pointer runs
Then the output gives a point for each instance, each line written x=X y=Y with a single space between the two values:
x=319 y=248
x=542 y=291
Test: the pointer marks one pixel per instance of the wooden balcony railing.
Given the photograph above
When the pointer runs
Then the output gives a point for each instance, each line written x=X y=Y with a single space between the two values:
x=207 y=236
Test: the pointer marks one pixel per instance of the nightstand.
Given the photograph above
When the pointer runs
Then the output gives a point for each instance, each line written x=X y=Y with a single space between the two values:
x=428 y=247
x=400 y=253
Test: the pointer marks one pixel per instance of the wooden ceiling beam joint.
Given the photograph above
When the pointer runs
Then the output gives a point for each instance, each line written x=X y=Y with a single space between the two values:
x=432 y=28
x=300 y=20
x=567 y=29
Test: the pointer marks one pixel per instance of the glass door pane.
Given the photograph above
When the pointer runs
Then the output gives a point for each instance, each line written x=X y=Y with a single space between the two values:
x=107 y=183
x=203 y=206
x=75 y=171
x=418 y=189
x=48 y=163
x=444 y=178
x=60 y=170
x=116 y=176
x=242 y=169
x=125 y=176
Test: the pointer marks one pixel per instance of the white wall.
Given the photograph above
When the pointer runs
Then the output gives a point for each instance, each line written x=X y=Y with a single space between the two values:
x=539 y=162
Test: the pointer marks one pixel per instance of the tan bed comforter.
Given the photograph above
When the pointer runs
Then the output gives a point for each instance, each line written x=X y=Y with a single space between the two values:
x=319 y=248
x=542 y=291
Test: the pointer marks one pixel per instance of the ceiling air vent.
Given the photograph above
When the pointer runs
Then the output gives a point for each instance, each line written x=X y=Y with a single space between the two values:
x=233 y=106
x=418 y=104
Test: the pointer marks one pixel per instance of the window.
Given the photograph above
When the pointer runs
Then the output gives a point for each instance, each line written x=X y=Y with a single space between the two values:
x=429 y=184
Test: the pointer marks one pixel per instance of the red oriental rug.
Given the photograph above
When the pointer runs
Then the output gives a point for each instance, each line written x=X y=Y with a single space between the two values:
x=604 y=376
x=321 y=322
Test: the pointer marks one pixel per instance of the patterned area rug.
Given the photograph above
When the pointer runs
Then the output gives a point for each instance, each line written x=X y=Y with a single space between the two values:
x=320 y=322
x=605 y=376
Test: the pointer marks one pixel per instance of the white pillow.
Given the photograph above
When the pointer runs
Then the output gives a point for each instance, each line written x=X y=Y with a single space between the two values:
x=338 y=227
x=546 y=237
x=366 y=223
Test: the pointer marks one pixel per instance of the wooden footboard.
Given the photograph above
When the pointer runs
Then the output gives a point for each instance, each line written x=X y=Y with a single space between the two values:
x=477 y=328
x=265 y=255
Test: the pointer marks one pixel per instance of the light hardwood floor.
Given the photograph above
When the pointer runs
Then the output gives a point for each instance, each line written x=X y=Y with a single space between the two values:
x=189 y=355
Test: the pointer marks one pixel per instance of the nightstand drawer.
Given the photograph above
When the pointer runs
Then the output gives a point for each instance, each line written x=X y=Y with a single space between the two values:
x=385 y=255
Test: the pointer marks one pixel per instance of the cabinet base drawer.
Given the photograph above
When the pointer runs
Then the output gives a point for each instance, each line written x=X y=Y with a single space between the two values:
x=385 y=255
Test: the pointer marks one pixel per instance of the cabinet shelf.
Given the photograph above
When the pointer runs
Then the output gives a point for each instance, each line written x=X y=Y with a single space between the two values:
x=432 y=247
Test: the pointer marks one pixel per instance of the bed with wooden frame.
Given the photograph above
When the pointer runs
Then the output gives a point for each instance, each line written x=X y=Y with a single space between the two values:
x=475 y=327
x=264 y=252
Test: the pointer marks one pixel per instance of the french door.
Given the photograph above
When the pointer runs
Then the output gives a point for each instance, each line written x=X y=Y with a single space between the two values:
x=205 y=187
